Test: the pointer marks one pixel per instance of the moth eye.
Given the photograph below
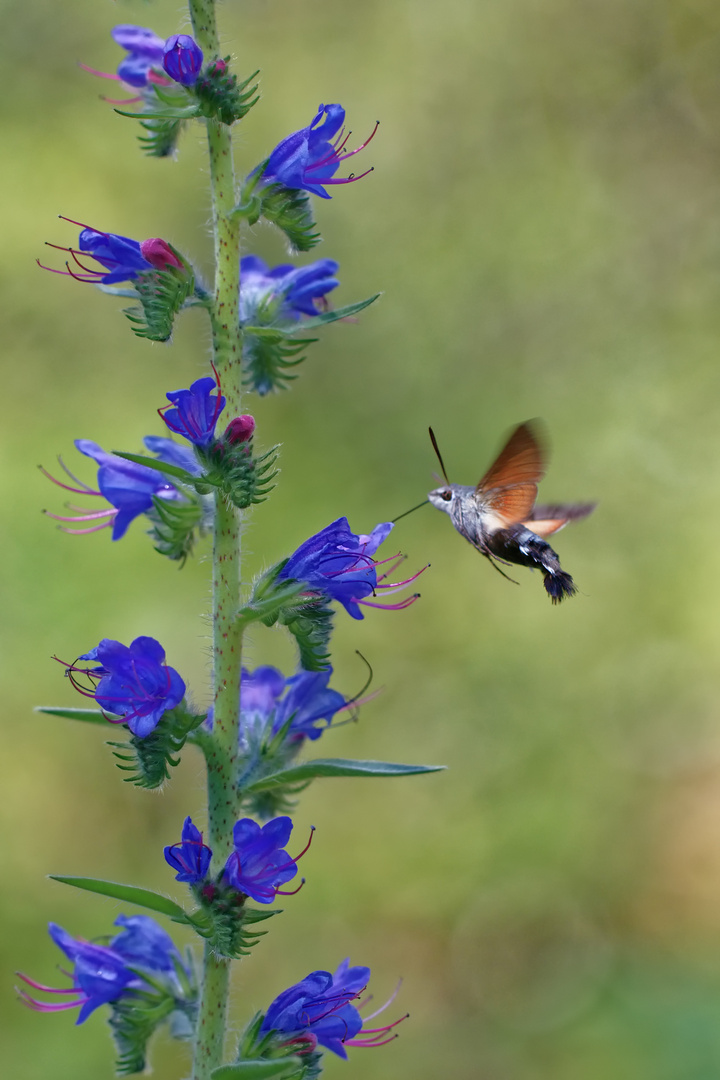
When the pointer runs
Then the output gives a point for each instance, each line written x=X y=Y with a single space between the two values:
x=446 y=495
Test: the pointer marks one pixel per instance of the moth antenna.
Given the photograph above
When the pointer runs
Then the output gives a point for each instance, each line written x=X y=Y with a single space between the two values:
x=436 y=448
x=410 y=511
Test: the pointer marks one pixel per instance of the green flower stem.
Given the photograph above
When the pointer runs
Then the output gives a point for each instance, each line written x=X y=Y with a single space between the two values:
x=221 y=750
x=210 y=1035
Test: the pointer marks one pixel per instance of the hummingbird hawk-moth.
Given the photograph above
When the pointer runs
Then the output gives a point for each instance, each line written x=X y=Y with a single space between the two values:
x=499 y=516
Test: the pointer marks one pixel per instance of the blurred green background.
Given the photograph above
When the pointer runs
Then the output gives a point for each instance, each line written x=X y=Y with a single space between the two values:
x=544 y=221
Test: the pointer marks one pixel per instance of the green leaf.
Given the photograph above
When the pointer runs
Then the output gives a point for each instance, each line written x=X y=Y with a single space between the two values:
x=130 y=894
x=160 y=466
x=187 y=113
x=302 y=325
x=307 y=770
x=89 y=716
x=259 y=1070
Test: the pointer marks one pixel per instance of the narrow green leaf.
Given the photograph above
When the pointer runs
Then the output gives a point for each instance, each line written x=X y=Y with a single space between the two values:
x=131 y=894
x=160 y=466
x=332 y=316
x=187 y=113
x=307 y=770
x=273 y=332
x=259 y=1070
x=89 y=716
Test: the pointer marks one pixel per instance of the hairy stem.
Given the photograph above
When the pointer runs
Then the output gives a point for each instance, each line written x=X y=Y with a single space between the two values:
x=211 y=1017
x=221 y=754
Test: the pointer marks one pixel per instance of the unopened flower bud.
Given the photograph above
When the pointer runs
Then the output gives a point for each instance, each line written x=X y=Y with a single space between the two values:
x=182 y=59
x=159 y=254
x=240 y=430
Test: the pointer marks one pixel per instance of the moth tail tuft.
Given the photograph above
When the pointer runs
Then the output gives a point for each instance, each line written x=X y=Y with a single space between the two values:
x=559 y=585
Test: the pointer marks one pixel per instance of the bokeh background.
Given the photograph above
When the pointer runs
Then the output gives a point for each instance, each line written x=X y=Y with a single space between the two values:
x=544 y=222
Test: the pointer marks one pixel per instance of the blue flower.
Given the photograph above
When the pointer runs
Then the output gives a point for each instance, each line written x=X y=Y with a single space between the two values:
x=101 y=973
x=127 y=486
x=318 y=1010
x=122 y=258
x=259 y=864
x=134 y=683
x=196 y=412
x=182 y=59
x=337 y=564
x=191 y=858
x=144 y=944
x=297 y=288
x=309 y=704
x=309 y=158
x=144 y=49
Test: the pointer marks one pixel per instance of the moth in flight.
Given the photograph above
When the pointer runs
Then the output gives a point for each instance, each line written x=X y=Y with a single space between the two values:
x=499 y=516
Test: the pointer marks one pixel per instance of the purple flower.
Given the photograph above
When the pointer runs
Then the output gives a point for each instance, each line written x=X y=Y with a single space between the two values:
x=309 y=158
x=309 y=704
x=296 y=287
x=191 y=858
x=133 y=682
x=127 y=486
x=159 y=254
x=120 y=257
x=101 y=973
x=338 y=565
x=182 y=59
x=317 y=1011
x=144 y=49
x=259 y=864
x=196 y=412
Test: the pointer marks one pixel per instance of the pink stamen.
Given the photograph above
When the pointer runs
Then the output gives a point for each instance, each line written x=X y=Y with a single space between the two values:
x=351 y=178
x=72 y=476
x=81 y=517
x=58 y=483
x=382 y=1008
x=290 y=892
x=160 y=80
x=85 y=532
x=47 y=989
x=100 y=74
x=120 y=101
x=80 y=224
x=391 y=607
x=401 y=584
x=373 y=1043
x=44 y=1006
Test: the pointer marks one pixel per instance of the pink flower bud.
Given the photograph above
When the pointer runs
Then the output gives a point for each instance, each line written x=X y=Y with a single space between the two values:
x=240 y=429
x=159 y=254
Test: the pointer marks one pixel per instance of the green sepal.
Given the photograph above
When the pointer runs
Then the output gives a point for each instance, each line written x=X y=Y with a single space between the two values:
x=137 y=1014
x=161 y=137
x=266 y=1053
x=175 y=526
x=149 y=760
x=221 y=97
x=307 y=616
x=287 y=208
x=261 y=1069
x=129 y=894
x=309 y=770
x=268 y=359
x=88 y=716
x=162 y=295
x=233 y=470
x=225 y=922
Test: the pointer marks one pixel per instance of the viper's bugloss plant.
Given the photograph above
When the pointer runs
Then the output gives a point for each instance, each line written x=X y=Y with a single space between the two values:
x=254 y=731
